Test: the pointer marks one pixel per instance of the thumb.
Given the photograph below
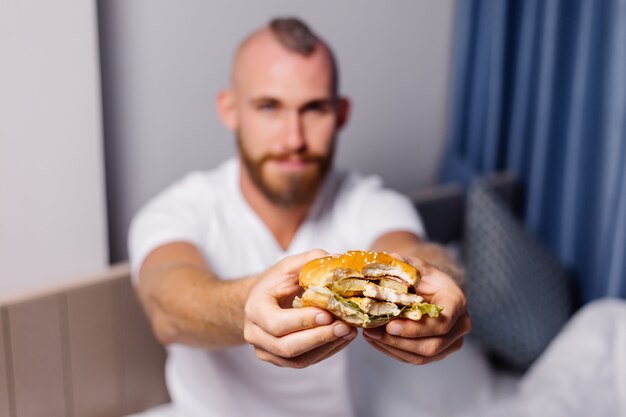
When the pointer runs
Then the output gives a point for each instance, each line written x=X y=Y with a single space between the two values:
x=282 y=278
x=293 y=264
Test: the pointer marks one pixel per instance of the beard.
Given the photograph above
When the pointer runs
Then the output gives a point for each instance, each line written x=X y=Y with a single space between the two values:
x=289 y=189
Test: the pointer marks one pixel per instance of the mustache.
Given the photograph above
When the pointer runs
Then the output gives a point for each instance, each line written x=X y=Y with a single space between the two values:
x=306 y=157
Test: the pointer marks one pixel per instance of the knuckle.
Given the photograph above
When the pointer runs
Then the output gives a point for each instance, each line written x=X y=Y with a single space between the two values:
x=283 y=268
x=247 y=333
x=318 y=253
x=271 y=326
x=444 y=327
x=463 y=304
x=392 y=341
x=326 y=337
x=417 y=360
x=457 y=345
x=262 y=355
x=411 y=329
x=286 y=350
x=248 y=310
x=468 y=325
x=277 y=362
x=299 y=364
x=268 y=357
x=405 y=360
x=306 y=323
x=432 y=347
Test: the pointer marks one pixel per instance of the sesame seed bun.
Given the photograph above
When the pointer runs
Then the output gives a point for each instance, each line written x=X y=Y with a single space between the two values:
x=343 y=286
x=324 y=271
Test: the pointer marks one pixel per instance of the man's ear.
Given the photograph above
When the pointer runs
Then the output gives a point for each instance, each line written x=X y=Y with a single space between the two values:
x=226 y=109
x=343 y=111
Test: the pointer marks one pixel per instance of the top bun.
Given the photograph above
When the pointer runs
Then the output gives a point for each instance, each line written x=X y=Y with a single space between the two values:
x=324 y=271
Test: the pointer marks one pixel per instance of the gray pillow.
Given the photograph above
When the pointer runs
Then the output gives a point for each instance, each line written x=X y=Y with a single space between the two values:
x=519 y=294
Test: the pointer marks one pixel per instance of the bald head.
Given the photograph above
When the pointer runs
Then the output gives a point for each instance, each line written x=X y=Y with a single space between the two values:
x=284 y=37
x=284 y=110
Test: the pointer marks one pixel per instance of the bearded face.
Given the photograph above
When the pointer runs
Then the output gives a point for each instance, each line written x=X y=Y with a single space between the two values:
x=288 y=179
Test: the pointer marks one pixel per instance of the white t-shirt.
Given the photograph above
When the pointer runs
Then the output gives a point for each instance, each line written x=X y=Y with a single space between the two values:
x=208 y=210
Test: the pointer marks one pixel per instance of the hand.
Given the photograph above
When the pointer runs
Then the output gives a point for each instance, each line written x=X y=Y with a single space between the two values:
x=290 y=337
x=430 y=339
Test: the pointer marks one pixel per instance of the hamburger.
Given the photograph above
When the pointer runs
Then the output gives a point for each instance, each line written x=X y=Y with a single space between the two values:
x=364 y=288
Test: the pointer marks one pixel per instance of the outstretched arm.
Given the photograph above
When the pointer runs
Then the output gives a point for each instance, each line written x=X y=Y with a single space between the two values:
x=188 y=304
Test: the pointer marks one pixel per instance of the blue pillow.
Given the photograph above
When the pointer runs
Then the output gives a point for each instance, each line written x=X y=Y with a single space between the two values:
x=519 y=295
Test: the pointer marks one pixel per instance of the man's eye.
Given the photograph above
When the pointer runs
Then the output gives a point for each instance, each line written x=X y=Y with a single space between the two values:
x=267 y=107
x=317 y=107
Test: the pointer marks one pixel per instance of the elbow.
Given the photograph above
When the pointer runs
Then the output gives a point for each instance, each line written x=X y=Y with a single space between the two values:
x=161 y=325
x=163 y=331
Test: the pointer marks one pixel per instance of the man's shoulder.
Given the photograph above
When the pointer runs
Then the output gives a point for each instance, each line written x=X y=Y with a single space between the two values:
x=356 y=191
x=197 y=188
x=206 y=180
x=351 y=182
x=352 y=190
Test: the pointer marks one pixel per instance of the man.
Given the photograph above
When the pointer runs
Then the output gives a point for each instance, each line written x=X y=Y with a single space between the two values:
x=216 y=256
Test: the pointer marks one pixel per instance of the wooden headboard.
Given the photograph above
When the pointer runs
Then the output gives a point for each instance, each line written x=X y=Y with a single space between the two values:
x=82 y=349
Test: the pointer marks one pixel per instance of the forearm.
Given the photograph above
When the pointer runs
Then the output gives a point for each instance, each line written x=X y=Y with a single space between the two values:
x=407 y=244
x=188 y=305
x=437 y=256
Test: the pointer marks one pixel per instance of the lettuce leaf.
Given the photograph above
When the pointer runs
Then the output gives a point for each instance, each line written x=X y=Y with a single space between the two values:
x=432 y=310
x=348 y=303
x=419 y=309
x=416 y=310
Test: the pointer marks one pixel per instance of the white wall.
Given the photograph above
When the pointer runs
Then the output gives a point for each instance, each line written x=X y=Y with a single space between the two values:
x=52 y=204
x=164 y=61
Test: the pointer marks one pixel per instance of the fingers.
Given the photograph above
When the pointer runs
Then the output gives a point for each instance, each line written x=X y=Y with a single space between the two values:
x=422 y=346
x=297 y=343
x=413 y=358
x=285 y=336
x=454 y=306
x=269 y=302
x=426 y=327
x=398 y=256
x=277 y=321
x=282 y=278
x=309 y=358
x=423 y=267
x=431 y=326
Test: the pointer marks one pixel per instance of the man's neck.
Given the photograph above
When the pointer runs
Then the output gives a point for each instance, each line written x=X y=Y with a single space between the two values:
x=283 y=222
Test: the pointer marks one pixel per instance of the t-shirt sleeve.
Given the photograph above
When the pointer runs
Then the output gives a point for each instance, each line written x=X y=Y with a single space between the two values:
x=170 y=216
x=375 y=210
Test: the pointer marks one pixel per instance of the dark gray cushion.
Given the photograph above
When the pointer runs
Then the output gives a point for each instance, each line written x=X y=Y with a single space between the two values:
x=519 y=294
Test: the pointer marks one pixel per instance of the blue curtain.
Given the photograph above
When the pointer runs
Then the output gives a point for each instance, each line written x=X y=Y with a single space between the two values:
x=539 y=89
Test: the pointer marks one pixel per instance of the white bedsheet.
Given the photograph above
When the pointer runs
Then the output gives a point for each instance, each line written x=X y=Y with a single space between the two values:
x=582 y=372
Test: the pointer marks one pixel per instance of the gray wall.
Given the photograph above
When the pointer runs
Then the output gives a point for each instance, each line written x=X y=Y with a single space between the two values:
x=52 y=201
x=164 y=61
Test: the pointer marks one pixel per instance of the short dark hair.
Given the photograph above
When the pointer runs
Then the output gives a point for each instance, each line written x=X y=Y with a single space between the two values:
x=293 y=34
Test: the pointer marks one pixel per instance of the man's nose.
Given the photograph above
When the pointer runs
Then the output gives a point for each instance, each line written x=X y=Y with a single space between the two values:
x=294 y=136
